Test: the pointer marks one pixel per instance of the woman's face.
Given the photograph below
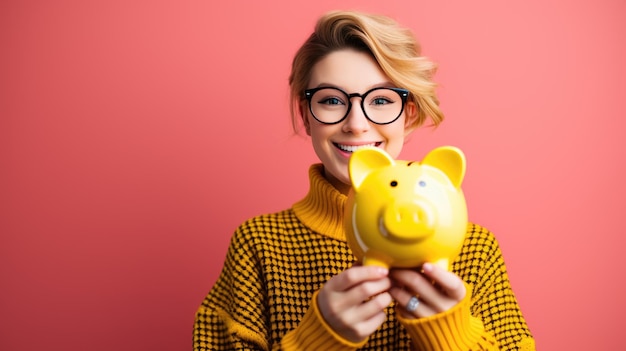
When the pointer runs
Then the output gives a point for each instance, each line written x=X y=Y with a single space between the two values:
x=353 y=72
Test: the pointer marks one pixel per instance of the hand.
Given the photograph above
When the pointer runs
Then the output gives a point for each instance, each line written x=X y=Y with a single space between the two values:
x=437 y=289
x=353 y=302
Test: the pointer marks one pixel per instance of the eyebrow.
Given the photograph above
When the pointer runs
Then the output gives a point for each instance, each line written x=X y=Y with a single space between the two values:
x=379 y=85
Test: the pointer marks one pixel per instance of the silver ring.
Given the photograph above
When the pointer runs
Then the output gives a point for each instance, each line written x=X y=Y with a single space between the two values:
x=413 y=303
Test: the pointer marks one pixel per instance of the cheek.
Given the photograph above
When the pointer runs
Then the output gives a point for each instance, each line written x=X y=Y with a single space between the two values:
x=395 y=140
x=319 y=138
x=394 y=149
x=314 y=132
x=321 y=132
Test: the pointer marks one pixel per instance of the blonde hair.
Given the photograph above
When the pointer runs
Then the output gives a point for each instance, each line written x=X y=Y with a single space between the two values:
x=394 y=48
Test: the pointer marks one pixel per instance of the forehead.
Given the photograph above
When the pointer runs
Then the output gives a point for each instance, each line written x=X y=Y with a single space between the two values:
x=348 y=69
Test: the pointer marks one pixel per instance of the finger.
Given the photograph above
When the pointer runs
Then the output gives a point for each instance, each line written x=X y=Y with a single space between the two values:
x=349 y=289
x=414 y=282
x=356 y=275
x=369 y=326
x=365 y=291
x=417 y=284
x=403 y=297
x=373 y=306
x=365 y=318
x=358 y=322
x=362 y=329
x=449 y=282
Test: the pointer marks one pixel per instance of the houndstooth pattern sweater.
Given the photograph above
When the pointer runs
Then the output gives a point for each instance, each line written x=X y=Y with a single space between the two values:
x=265 y=296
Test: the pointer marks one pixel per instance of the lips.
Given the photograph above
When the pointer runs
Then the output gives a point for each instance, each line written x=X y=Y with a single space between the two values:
x=353 y=148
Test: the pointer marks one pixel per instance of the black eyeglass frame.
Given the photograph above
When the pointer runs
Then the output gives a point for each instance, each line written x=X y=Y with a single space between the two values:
x=403 y=93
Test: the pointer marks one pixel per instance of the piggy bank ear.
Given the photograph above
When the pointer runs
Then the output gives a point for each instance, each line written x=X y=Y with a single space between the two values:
x=365 y=160
x=450 y=160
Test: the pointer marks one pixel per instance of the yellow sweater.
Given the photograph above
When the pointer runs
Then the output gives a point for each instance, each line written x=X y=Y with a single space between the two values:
x=265 y=296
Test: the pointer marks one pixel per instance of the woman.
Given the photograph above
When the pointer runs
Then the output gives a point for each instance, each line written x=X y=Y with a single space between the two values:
x=289 y=281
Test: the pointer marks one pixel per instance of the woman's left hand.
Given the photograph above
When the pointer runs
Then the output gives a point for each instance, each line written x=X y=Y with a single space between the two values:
x=436 y=289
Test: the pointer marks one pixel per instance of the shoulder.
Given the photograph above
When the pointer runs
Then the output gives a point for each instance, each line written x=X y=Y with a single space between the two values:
x=479 y=238
x=268 y=227
x=480 y=252
x=282 y=220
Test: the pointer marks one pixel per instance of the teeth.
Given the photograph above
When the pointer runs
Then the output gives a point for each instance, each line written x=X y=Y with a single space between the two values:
x=352 y=148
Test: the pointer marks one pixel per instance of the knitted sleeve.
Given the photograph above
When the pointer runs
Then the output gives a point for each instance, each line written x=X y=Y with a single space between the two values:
x=481 y=265
x=231 y=317
x=489 y=318
x=453 y=330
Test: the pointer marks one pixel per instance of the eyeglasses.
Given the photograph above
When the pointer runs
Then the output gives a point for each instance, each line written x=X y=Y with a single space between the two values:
x=380 y=105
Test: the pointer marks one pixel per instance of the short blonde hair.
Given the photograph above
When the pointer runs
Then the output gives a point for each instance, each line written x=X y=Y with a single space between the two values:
x=395 y=49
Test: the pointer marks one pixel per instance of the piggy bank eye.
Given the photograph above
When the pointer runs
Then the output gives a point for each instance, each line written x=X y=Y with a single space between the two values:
x=422 y=183
x=393 y=183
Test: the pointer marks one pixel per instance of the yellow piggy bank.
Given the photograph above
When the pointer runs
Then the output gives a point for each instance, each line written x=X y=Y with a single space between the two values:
x=405 y=213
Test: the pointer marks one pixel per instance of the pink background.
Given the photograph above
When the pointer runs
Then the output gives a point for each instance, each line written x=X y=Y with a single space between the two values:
x=136 y=136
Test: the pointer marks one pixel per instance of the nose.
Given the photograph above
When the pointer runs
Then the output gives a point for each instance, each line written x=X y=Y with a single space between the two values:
x=356 y=122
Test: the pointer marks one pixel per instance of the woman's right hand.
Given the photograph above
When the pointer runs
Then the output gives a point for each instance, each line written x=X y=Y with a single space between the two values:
x=353 y=301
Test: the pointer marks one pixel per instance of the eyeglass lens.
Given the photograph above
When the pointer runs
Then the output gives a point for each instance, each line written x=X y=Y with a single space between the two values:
x=380 y=105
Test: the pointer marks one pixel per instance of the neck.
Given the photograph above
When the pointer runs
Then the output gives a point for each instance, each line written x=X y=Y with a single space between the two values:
x=339 y=185
x=342 y=187
x=322 y=208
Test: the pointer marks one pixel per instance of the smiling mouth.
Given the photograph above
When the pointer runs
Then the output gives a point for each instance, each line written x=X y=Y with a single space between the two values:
x=353 y=148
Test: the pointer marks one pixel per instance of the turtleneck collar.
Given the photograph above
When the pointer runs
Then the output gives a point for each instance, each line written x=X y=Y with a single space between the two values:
x=322 y=209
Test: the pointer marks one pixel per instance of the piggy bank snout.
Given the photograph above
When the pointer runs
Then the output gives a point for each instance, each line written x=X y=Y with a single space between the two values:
x=412 y=221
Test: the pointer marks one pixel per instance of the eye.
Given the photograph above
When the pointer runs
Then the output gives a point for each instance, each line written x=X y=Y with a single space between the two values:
x=331 y=101
x=393 y=184
x=381 y=101
x=422 y=183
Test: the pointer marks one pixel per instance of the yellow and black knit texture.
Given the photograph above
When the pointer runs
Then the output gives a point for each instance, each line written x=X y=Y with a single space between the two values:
x=275 y=263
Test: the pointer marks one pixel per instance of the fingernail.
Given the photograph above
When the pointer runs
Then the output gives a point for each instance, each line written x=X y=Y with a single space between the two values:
x=383 y=270
x=427 y=267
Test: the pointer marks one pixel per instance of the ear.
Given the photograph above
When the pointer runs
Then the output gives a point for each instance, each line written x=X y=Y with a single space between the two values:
x=365 y=160
x=410 y=119
x=302 y=109
x=450 y=160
